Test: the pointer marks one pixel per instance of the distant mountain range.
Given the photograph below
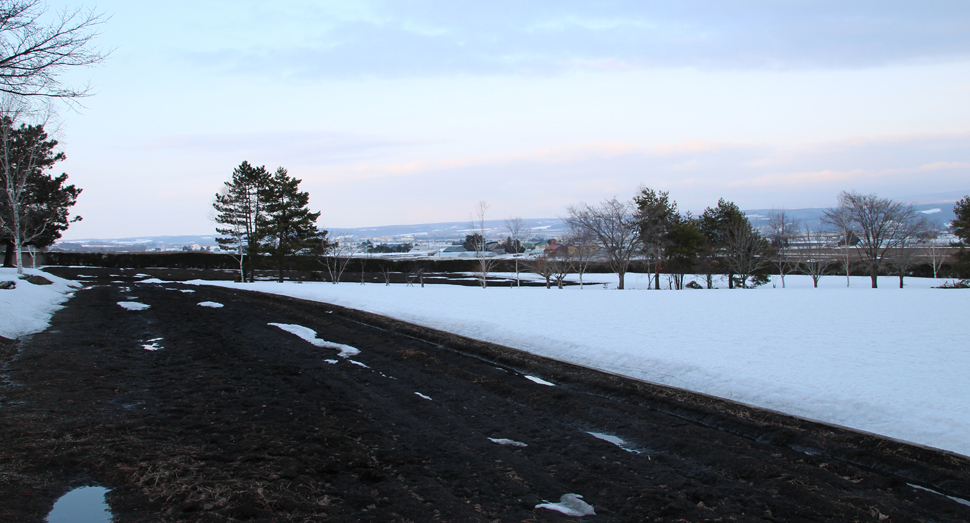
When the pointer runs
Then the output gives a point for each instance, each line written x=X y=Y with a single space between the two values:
x=940 y=214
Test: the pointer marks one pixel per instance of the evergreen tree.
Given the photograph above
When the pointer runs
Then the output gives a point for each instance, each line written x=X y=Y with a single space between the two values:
x=686 y=242
x=961 y=222
x=655 y=217
x=34 y=205
x=289 y=227
x=961 y=229
x=716 y=224
x=241 y=209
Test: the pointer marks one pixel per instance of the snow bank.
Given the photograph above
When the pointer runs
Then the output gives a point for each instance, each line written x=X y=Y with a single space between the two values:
x=889 y=361
x=27 y=308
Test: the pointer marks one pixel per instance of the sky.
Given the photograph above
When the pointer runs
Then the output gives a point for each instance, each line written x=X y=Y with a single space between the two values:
x=404 y=112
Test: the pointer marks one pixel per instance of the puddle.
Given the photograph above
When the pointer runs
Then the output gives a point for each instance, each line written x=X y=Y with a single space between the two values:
x=81 y=505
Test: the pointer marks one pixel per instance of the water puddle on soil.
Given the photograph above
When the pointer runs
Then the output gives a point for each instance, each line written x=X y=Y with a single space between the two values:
x=81 y=505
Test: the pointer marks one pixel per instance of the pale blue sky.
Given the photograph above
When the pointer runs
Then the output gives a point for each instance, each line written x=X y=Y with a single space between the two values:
x=407 y=112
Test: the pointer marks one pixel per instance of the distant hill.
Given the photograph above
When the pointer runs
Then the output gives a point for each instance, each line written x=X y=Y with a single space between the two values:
x=940 y=214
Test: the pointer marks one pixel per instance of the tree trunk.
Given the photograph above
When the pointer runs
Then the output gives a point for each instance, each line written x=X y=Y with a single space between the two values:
x=873 y=275
x=622 y=275
x=900 y=279
x=8 y=255
x=730 y=281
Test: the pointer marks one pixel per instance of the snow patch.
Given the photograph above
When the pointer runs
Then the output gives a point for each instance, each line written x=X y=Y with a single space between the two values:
x=187 y=291
x=423 y=396
x=540 y=381
x=570 y=505
x=310 y=336
x=931 y=211
x=27 y=308
x=508 y=442
x=619 y=442
x=133 y=305
x=211 y=304
x=153 y=280
x=954 y=498
x=332 y=362
x=152 y=344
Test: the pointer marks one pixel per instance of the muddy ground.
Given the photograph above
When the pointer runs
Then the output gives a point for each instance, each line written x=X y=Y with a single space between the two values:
x=232 y=419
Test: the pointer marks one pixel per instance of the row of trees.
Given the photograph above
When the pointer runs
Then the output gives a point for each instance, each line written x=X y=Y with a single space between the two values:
x=259 y=213
x=649 y=228
x=876 y=233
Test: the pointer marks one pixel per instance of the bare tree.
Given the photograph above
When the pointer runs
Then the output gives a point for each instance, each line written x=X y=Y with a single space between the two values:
x=515 y=226
x=583 y=248
x=933 y=250
x=485 y=258
x=35 y=49
x=782 y=230
x=384 y=265
x=746 y=252
x=612 y=224
x=542 y=266
x=904 y=253
x=233 y=230
x=814 y=259
x=26 y=153
x=877 y=223
x=561 y=263
x=336 y=255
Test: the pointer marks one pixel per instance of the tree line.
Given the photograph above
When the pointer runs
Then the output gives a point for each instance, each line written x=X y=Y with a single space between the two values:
x=876 y=233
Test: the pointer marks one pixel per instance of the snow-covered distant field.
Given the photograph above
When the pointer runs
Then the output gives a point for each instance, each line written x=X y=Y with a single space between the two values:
x=27 y=308
x=889 y=361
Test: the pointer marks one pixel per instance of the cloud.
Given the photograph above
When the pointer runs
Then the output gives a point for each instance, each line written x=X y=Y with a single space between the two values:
x=936 y=166
x=315 y=147
x=416 y=39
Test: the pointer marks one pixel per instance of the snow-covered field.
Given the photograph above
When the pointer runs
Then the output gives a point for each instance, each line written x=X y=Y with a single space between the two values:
x=889 y=361
x=27 y=308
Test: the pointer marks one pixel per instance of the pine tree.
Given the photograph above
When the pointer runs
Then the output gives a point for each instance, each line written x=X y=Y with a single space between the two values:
x=716 y=224
x=656 y=215
x=961 y=229
x=241 y=211
x=289 y=226
x=34 y=205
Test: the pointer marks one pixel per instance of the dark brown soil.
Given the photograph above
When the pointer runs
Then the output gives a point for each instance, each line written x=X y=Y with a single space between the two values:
x=232 y=419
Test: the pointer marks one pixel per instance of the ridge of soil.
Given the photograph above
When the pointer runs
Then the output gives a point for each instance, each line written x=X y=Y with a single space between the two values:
x=232 y=419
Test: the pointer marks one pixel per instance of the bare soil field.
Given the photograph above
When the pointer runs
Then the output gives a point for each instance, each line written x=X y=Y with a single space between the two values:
x=201 y=414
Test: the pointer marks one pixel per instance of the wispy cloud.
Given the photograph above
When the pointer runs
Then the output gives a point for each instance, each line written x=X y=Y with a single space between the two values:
x=393 y=39
x=298 y=146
